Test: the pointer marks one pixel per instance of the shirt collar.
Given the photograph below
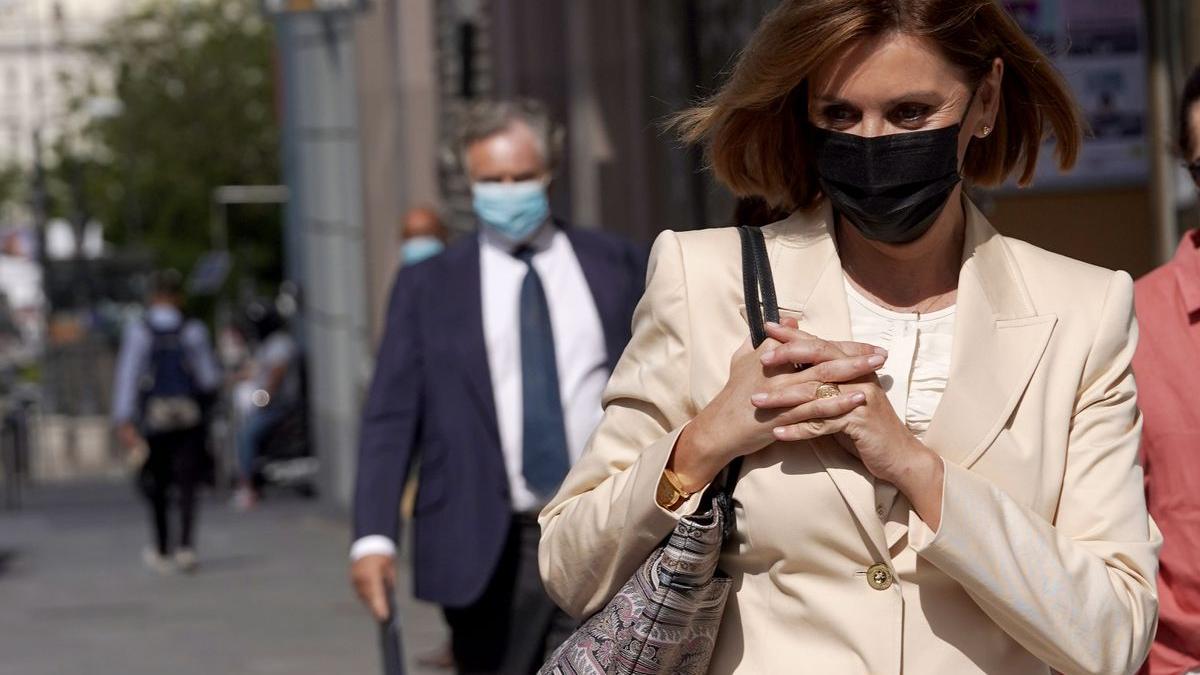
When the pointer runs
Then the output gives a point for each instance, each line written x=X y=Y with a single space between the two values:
x=539 y=242
x=1186 y=264
x=163 y=316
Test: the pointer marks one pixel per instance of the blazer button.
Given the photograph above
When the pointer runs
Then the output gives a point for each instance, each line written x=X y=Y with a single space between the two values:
x=879 y=577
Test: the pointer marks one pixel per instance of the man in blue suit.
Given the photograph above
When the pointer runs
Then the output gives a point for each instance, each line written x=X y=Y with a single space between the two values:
x=492 y=365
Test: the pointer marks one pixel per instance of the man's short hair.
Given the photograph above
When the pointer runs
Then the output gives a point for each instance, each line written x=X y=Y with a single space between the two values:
x=1191 y=95
x=488 y=118
x=167 y=282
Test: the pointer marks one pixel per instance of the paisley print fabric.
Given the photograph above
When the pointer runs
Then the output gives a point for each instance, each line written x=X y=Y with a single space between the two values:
x=665 y=618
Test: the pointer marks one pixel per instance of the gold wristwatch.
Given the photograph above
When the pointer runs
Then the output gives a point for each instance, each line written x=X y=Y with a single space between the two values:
x=670 y=494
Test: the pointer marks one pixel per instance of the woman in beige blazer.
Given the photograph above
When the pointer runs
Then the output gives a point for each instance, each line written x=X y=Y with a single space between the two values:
x=1004 y=533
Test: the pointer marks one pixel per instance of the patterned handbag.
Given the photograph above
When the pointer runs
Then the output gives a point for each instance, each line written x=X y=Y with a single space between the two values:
x=665 y=619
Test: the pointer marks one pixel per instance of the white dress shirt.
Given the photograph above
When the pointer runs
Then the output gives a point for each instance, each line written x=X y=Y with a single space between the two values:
x=579 y=350
x=913 y=377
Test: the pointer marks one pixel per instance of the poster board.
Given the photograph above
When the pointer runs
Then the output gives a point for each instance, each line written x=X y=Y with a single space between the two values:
x=1099 y=47
x=283 y=7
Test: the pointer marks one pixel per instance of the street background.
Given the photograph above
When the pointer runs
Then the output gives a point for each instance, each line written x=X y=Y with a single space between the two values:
x=271 y=596
x=267 y=149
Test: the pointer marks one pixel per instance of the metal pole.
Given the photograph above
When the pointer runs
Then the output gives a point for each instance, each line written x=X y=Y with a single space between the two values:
x=40 y=206
x=39 y=203
x=1159 y=113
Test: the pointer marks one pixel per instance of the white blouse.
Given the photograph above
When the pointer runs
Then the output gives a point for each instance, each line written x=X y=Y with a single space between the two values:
x=914 y=377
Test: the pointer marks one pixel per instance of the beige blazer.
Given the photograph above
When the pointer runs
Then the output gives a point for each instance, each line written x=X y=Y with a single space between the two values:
x=1045 y=558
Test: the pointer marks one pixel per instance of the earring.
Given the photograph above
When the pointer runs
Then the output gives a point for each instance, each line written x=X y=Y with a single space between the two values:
x=986 y=130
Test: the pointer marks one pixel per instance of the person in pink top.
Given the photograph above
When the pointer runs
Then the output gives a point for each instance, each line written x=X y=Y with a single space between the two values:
x=1167 y=303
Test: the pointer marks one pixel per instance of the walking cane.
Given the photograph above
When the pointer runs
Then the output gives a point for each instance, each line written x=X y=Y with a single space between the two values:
x=389 y=639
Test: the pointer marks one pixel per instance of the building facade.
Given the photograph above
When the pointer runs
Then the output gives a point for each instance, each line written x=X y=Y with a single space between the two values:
x=41 y=55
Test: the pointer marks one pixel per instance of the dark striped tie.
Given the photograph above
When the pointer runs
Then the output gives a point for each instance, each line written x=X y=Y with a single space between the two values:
x=544 y=437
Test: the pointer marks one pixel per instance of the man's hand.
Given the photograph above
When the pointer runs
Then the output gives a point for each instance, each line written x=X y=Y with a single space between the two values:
x=128 y=437
x=373 y=577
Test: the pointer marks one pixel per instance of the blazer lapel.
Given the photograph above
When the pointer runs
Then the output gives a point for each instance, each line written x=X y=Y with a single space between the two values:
x=464 y=308
x=999 y=339
x=809 y=282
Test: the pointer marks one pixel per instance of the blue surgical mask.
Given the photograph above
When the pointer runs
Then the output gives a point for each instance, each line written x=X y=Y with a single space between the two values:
x=513 y=210
x=416 y=249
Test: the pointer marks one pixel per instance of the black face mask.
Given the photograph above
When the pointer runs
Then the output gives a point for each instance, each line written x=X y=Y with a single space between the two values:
x=891 y=188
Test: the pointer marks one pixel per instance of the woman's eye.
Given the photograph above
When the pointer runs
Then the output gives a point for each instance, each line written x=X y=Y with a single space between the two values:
x=912 y=112
x=838 y=114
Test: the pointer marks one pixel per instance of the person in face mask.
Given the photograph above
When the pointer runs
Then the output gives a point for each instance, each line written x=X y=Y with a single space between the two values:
x=1168 y=354
x=492 y=367
x=939 y=439
x=422 y=235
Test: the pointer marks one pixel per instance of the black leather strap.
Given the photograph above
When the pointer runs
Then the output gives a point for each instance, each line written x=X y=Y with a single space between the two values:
x=758 y=286
x=750 y=286
x=766 y=282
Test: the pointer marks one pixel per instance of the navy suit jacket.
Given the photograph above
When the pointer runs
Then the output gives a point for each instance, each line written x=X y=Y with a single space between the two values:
x=432 y=394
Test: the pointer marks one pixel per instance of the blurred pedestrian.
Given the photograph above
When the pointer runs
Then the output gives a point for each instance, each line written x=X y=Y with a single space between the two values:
x=1167 y=358
x=275 y=391
x=166 y=374
x=422 y=235
x=936 y=445
x=492 y=365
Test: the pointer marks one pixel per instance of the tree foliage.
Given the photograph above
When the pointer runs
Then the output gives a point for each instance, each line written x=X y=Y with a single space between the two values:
x=12 y=185
x=195 y=108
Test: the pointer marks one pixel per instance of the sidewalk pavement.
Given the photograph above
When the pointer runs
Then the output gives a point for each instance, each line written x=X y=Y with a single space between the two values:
x=271 y=594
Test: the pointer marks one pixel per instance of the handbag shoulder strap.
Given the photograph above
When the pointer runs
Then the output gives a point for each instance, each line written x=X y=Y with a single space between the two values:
x=758 y=286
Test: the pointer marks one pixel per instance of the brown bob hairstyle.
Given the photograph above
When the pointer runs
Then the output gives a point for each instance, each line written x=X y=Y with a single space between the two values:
x=753 y=128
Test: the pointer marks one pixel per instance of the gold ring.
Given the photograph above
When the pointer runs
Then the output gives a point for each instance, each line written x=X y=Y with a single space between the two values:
x=828 y=390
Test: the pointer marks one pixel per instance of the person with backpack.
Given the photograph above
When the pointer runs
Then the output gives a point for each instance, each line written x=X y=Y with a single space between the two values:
x=166 y=373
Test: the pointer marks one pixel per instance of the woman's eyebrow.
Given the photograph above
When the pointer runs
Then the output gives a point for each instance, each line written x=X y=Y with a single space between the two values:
x=917 y=95
x=820 y=98
x=923 y=95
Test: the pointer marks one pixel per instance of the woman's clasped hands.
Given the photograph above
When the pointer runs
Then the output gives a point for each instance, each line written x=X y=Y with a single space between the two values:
x=771 y=396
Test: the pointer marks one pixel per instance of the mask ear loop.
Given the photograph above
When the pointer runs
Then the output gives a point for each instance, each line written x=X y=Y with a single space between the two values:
x=962 y=123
